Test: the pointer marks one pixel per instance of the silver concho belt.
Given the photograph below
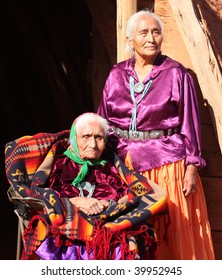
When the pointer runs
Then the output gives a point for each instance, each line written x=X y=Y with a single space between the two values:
x=143 y=135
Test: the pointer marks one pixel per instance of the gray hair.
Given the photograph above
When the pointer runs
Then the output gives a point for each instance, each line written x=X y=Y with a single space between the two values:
x=133 y=21
x=88 y=117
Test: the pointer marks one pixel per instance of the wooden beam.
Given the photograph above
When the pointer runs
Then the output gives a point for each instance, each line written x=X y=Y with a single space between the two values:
x=203 y=58
x=125 y=9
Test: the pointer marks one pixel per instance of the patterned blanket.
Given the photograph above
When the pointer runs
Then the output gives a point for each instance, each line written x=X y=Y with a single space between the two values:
x=28 y=162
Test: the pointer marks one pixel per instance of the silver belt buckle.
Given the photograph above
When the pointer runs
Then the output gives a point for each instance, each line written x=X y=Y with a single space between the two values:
x=155 y=134
x=146 y=135
x=119 y=132
x=135 y=134
x=125 y=134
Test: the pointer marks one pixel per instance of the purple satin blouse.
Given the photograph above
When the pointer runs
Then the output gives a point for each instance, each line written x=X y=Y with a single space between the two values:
x=171 y=102
x=109 y=184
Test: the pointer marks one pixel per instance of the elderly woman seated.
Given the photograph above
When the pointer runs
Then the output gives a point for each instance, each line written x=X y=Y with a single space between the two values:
x=91 y=211
x=91 y=183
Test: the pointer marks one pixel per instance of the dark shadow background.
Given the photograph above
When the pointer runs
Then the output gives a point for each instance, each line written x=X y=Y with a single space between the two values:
x=45 y=58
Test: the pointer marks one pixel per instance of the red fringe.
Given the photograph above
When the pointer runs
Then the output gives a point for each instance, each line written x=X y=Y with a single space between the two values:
x=103 y=243
x=31 y=237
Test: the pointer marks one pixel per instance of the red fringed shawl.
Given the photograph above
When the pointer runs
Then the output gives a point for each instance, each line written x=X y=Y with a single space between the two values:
x=28 y=162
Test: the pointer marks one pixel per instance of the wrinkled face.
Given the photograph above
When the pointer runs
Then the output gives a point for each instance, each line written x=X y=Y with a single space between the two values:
x=91 y=140
x=147 y=38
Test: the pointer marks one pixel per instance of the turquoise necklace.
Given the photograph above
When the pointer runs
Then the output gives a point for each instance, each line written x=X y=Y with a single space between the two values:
x=138 y=87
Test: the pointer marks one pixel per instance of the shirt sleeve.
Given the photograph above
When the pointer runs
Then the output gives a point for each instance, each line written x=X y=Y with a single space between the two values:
x=190 y=121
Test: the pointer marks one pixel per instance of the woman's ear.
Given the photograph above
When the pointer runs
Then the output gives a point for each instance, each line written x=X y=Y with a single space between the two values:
x=129 y=45
x=129 y=41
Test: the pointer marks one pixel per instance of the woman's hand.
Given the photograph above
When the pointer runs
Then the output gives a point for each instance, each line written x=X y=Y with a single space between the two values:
x=89 y=205
x=190 y=180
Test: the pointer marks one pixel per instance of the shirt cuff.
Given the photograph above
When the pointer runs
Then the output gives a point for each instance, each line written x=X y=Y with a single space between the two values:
x=195 y=160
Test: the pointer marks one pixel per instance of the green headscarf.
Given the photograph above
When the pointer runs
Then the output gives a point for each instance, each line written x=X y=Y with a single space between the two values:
x=75 y=156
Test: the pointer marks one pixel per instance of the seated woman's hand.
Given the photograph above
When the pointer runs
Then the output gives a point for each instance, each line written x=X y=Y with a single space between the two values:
x=89 y=205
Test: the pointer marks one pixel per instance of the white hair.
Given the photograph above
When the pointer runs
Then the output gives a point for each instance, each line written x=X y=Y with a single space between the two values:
x=88 y=117
x=133 y=21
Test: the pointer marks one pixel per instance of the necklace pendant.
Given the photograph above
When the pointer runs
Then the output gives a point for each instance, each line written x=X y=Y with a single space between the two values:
x=138 y=87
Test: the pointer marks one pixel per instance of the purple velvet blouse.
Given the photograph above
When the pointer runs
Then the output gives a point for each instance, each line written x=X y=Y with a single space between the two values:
x=109 y=185
x=171 y=102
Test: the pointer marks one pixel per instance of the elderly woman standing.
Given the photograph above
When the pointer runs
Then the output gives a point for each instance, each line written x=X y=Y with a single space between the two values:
x=151 y=105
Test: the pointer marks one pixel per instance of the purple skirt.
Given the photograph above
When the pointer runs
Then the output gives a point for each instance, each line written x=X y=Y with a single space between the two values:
x=48 y=251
